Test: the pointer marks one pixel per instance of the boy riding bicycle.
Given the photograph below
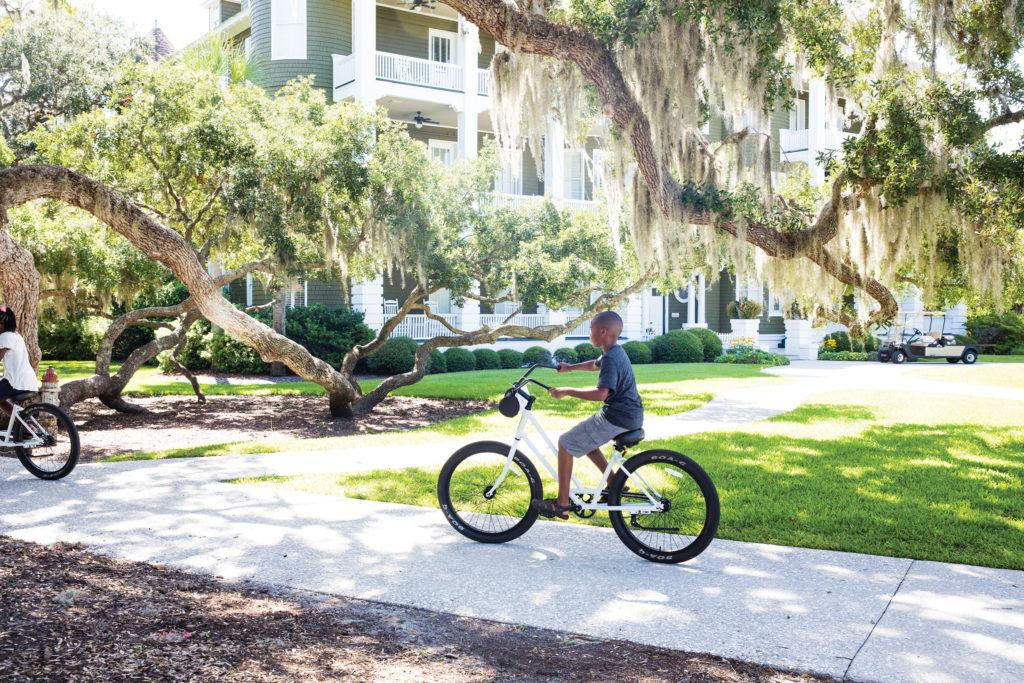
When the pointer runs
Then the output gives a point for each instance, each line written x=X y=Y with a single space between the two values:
x=622 y=411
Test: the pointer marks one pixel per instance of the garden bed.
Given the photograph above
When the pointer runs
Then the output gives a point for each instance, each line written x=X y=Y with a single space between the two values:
x=165 y=624
x=182 y=422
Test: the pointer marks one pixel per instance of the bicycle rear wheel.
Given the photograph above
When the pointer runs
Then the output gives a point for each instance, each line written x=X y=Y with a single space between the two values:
x=690 y=518
x=471 y=505
x=58 y=454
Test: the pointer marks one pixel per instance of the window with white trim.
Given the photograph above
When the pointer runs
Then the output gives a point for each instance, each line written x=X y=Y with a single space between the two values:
x=599 y=160
x=574 y=185
x=442 y=46
x=443 y=151
x=288 y=29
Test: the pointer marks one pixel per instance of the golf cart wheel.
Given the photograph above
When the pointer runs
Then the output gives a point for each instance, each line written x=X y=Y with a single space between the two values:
x=899 y=356
x=952 y=360
x=970 y=356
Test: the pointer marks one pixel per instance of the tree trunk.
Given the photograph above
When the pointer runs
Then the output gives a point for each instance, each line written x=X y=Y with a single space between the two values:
x=277 y=368
x=19 y=285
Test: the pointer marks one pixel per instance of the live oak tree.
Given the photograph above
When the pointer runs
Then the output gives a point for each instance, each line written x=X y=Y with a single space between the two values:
x=922 y=195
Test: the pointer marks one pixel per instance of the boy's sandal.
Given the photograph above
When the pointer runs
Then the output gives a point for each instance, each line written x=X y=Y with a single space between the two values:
x=549 y=507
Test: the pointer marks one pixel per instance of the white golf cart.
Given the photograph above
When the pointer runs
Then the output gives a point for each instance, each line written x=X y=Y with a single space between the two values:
x=907 y=342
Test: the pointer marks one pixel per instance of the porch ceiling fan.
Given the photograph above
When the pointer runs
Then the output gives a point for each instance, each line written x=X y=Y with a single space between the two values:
x=420 y=119
x=419 y=5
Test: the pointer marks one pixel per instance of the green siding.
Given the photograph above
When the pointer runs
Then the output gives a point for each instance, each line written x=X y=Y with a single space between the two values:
x=486 y=50
x=328 y=31
x=228 y=10
x=408 y=33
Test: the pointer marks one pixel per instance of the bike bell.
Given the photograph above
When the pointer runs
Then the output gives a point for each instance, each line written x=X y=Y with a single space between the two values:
x=509 y=404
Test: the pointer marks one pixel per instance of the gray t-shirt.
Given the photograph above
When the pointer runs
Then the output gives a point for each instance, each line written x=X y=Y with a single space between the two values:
x=622 y=407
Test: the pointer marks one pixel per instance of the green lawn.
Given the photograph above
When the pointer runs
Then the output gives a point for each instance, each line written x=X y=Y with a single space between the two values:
x=987 y=358
x=999 y=375
x=666 y=389
x=935 y=478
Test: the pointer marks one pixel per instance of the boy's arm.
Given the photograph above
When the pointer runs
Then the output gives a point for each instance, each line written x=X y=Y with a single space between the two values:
x=595 y=394
x=589 y=365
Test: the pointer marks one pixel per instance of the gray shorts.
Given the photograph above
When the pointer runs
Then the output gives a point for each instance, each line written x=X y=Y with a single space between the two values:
x=592 y=433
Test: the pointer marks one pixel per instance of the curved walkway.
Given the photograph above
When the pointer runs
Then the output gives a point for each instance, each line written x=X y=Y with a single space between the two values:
x=842 y=614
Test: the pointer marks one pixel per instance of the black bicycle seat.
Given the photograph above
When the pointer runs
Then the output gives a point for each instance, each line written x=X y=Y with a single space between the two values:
x=20 y=396
x=627 y=439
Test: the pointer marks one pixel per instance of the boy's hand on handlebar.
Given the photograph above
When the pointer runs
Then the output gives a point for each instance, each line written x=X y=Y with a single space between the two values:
x=564 y=367
x=558 y=392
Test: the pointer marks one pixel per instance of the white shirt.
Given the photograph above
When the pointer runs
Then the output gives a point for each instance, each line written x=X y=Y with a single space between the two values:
x=17 y=370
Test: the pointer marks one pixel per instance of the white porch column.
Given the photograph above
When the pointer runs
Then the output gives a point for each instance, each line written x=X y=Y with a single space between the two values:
x=691 y=305
x=368 y=297
x=633 y=319
x=364 y=47
x=248 y=289
x=469 y=54
x=815 y=126
x=554 y=160
x=702 y=319
x=469 y=317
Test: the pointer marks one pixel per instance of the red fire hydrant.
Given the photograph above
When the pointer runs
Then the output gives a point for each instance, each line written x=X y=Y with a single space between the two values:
x=50 y=391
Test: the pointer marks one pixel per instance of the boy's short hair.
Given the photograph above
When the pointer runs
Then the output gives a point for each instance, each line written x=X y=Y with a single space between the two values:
x=609 y=320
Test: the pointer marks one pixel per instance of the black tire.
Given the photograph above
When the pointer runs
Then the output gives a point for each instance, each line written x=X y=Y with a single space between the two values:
x=463 y=484
x=952 y=360
x=970 y=357
x=56 y=458
x=899 y=356
x=687 y=528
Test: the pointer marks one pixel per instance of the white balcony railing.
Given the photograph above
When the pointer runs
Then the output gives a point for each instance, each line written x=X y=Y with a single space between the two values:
x=483 y=84
x=422 y=327
x=793 y=140
x=415 y=71
x=517 y=200
x=493 y=320
x=344 y=70
x=798 y=140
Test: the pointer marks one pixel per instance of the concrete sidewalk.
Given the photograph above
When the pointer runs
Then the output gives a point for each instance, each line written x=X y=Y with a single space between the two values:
x=841 y=614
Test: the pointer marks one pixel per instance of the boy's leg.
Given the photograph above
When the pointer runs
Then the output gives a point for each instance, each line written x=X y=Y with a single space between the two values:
x=564 y=474
x=597 y=457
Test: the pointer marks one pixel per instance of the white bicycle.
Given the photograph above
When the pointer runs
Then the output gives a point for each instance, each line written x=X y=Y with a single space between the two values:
x=662 y=505
x=43 y=436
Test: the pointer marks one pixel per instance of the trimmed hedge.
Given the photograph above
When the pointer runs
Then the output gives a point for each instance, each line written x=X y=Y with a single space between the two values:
x=1005 y=331
x=752 y=356
x=459 y=359
x=677 y=346
x=586 y=351
x=510 y=358
x=436 y=363
x=847 y=355
x=486 y=359
x=395 y=356
x=710 y=342
x=566 y=355
x=67 y=338
x=842 y=340
x=536 y=354
x=637 y=352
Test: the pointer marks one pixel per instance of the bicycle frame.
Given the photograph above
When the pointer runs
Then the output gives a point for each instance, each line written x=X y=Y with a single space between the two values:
x=577 y=490
x=37 y=440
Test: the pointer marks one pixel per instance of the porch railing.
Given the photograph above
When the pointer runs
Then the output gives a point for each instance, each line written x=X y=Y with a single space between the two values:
x=416 y=71
x=493 y=320
x=483 y=85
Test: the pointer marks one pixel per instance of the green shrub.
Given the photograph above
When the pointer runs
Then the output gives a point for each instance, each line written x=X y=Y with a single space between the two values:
x=1017 y=352
x=842 y=340
x=566 y=355
x=637 y=352
x=486 y=359
x=436 y=364
x=856 y=345
x=229 y=355
x=847 y=355
x=67 y=338
x=586 y=351
x=510 y=358
x=129 y=340
x=711 y=343
x=677 y=346
x=327 y=333
x=964 y=339
x=536 y=354
x=459 y=359
x=747 y=309
x=870 y=343
x=746 y=354
x=196 y=353
x=1005 y=331
x=395 y=356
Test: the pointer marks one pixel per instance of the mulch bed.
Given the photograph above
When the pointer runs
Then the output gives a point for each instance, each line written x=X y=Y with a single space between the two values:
x=70 y=615
x=182 y=422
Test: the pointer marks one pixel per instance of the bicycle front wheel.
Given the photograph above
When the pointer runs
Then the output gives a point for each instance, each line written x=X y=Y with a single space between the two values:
x=478 y=509
x=57 y=455
x=690 y=514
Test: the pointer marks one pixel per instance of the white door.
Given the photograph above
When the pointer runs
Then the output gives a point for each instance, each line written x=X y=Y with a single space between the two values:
x=574 y=185
x=443 y=151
